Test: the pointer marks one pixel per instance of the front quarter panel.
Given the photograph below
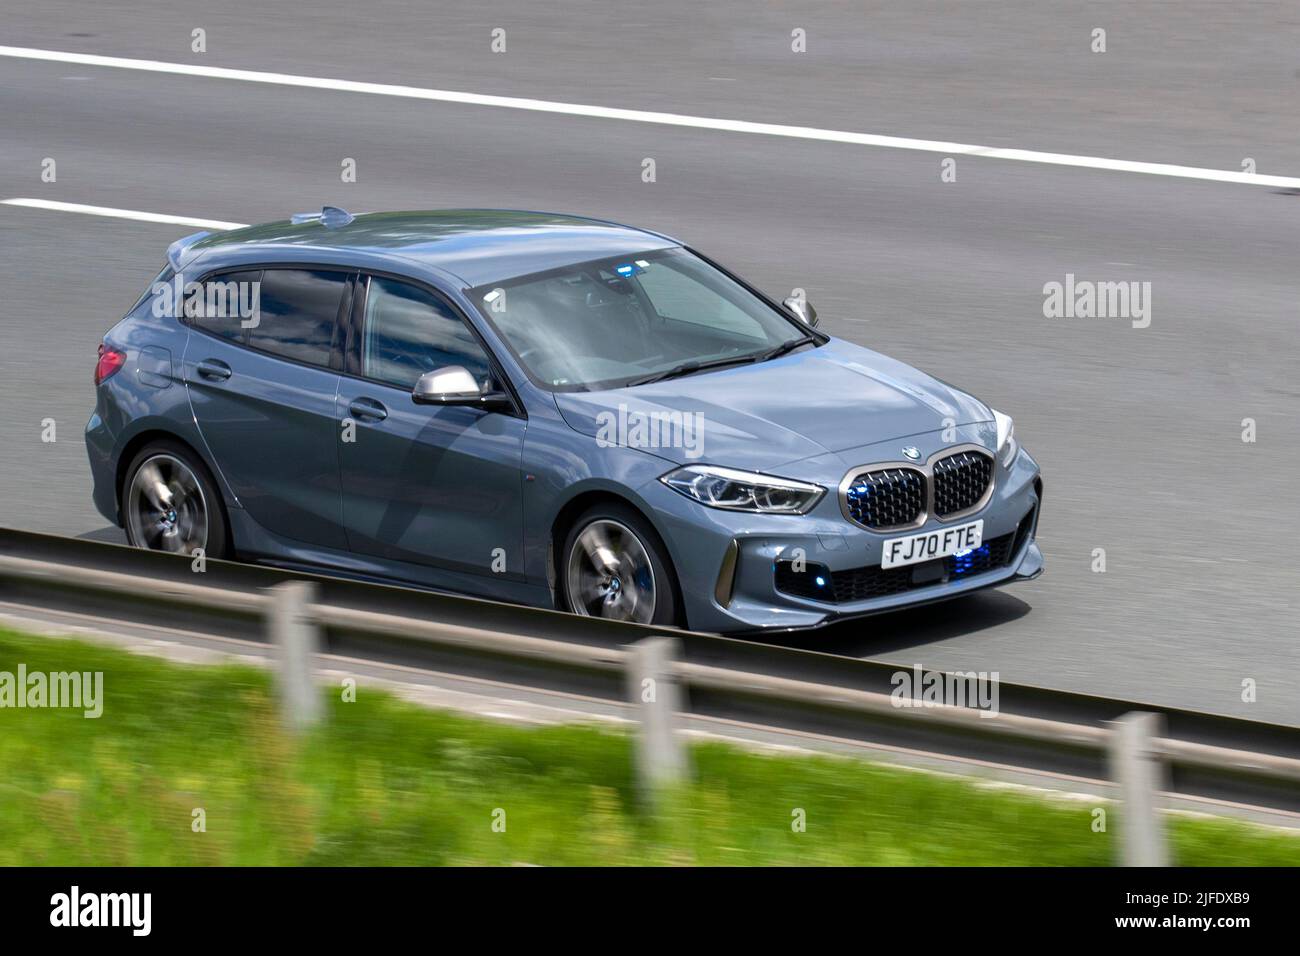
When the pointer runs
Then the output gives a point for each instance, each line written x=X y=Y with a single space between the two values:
x=560 y=465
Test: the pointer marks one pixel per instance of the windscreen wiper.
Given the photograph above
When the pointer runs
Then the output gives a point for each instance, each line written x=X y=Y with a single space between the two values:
x=787 y=347
x=690 y=368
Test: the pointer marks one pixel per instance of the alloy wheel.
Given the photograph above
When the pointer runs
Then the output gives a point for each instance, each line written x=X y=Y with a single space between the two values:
x=610 y=574
x=165 y=506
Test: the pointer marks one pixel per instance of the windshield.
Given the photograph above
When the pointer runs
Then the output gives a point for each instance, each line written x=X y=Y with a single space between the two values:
x=617 y=322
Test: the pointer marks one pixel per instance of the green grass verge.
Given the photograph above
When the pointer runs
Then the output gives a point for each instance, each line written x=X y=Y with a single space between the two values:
x=386 y=782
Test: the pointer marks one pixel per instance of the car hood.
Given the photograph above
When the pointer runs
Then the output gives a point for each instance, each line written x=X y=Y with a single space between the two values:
x=832 y=398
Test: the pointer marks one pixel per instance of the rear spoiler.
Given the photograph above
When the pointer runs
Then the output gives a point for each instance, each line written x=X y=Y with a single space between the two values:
x=177 y=251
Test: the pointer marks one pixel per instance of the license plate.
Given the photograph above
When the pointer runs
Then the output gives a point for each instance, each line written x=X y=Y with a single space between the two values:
x=928 y=545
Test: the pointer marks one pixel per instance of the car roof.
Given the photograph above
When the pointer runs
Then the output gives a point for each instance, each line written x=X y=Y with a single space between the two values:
x=477 y=246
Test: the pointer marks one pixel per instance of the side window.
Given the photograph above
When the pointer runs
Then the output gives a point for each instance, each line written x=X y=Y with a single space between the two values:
x=409 y=332
x=225 y=305
x=297 y=313
x=157 y=296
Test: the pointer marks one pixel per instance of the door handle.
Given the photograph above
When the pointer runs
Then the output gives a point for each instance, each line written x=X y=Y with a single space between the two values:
x=367 y=410
x=214 y=369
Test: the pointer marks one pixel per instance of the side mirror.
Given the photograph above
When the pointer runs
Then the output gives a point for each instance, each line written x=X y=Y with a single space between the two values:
x=802 y=310
x=453 y=385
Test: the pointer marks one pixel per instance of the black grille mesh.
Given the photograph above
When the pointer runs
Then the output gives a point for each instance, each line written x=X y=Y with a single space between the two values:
x=960 y=481
x=887 y=498
x=855 y=584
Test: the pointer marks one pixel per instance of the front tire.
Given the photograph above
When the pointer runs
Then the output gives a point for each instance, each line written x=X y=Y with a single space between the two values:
x=613 y=565
x=170 y=503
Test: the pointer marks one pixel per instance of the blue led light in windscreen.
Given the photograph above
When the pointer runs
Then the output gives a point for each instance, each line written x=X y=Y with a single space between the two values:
x=629 y=269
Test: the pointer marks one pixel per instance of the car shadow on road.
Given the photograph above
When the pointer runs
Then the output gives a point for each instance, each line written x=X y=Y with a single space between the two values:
x=881 y=634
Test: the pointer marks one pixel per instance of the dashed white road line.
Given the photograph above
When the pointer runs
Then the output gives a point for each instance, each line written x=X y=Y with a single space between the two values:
x=135 y=214
x=663 y=119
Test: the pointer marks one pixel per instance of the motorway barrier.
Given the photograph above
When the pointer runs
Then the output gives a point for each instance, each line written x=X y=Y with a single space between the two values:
x=1201 y=756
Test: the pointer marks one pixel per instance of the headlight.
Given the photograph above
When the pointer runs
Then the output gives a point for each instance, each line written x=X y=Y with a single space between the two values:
x=1007 y=446
x=743 y=490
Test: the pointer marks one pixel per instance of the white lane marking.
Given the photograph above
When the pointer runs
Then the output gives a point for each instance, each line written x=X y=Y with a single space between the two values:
x=122 y=213
x=664 y=119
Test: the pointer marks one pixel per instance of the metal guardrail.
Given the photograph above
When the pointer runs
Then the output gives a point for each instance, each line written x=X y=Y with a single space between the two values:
x=1037 y=729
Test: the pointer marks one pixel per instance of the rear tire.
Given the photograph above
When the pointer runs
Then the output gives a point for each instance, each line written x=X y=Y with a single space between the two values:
x=170 y=502
x=613 y=565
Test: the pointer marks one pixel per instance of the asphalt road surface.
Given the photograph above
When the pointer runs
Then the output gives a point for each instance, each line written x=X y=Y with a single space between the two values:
x=1138 y=430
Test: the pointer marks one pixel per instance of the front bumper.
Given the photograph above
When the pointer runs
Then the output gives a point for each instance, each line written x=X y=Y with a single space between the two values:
x=700 y=539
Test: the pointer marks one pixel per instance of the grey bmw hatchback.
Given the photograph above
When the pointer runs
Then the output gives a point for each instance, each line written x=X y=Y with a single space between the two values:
x=549 y=410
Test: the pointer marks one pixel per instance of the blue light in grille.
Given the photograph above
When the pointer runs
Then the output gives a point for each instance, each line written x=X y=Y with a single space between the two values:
x=885 y=497
x=963 y=562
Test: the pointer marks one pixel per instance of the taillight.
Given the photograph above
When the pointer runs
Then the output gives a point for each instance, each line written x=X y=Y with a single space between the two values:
x=110 y=360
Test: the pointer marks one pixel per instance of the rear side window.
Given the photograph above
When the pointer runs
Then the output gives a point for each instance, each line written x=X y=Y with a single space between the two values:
x=226 y=304
x=156 y=297
x=297 y=314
